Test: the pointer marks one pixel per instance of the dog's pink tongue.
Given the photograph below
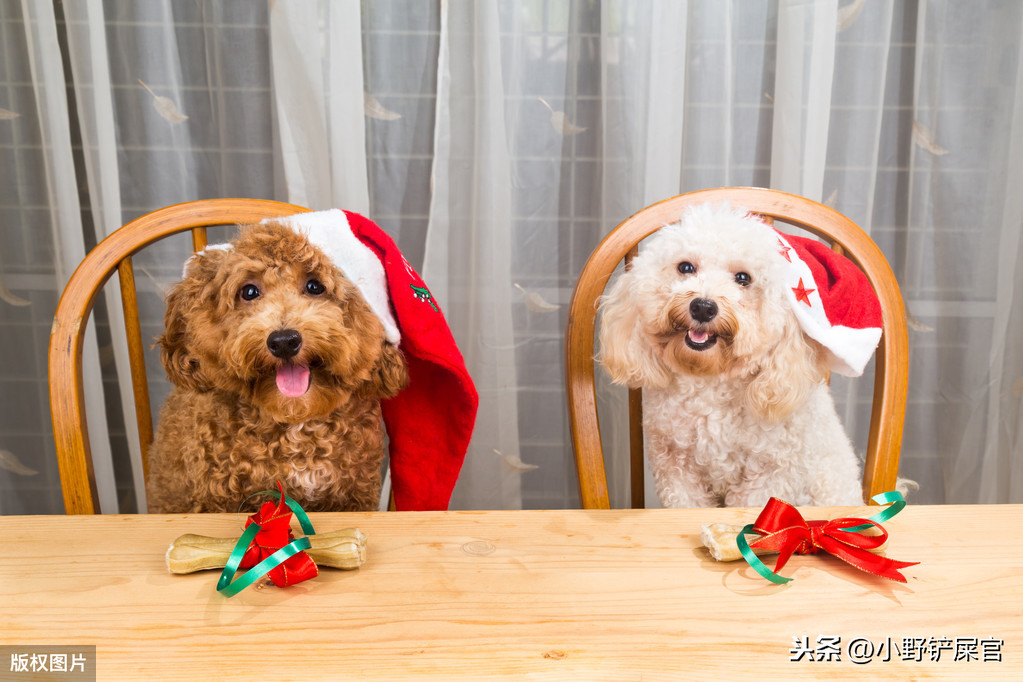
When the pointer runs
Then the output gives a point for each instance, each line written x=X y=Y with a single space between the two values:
x=293 y=380
x=698 y=336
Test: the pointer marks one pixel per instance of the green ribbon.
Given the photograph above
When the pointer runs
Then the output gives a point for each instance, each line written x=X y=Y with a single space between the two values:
x=225 y=585
x=753 y=560
x=898 y=502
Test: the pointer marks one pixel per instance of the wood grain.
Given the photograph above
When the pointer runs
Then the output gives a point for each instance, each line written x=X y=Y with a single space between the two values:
x=891 y=377
x=571 y=594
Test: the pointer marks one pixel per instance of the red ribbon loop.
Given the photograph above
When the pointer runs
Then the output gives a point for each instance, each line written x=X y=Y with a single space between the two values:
x=274 y=521
x=784 y=530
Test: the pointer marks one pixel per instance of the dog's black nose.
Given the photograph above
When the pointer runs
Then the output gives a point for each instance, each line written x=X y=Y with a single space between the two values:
x=703 y=309
x=284 y=343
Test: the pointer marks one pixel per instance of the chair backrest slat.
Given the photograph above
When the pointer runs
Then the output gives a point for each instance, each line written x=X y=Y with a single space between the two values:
x=636 y=454
x=199 y=239
x=136 y=358
x=637 y=478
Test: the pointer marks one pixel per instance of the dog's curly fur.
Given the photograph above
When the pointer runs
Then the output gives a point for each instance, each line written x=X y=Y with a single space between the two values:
x=227 y=431
x=736 y=405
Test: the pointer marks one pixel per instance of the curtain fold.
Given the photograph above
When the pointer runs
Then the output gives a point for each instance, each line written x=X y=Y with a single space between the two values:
x=316 y=54
x=48 y=77
x=802 y=95
x=1004 y=479
x=467 y=261
x=87 y=51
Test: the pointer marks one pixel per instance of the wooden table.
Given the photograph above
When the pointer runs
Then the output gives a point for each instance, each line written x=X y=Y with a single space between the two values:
x=571 y=594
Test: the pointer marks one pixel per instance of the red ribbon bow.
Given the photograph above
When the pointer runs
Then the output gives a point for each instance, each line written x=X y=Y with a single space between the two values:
x=785 y=531
x=275 y=532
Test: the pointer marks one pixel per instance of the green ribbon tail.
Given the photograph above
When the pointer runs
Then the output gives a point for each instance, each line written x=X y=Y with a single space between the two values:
x=753 y=560
x=303 y=518
x=892 y=497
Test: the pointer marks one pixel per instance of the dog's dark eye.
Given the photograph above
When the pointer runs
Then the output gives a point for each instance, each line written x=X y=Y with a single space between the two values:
x=314 y=287
x=249 y=292
x=686 y=268
x=743 y=279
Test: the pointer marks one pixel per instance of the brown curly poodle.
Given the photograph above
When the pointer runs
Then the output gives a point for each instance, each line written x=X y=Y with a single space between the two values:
x=278 y=366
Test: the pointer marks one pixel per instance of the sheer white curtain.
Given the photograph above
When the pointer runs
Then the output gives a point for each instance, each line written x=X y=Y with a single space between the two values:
x=498 y=142
x=316 y=56
x=469 y=243
x=962 y=263
x=42 y=242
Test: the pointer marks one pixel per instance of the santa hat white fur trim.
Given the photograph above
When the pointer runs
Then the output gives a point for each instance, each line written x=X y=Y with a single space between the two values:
x=330 y=231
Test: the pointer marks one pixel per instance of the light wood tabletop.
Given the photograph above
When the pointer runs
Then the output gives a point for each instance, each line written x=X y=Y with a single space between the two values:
x=568 y=594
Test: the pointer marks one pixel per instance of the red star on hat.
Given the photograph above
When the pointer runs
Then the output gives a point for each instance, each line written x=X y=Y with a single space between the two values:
x=784 y=250
x=802 y=293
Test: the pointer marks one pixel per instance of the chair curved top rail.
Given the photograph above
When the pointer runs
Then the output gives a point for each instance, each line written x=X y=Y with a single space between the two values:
x=891 y=363
x=67 y=404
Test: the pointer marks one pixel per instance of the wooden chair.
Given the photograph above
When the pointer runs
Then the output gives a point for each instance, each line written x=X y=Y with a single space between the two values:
x=891 y=361
x=67 y=402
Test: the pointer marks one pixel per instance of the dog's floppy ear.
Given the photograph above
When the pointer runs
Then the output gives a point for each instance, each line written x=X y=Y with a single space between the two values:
x=625 y=351
x=390 y=374
x=181 y=364
x=787 y=374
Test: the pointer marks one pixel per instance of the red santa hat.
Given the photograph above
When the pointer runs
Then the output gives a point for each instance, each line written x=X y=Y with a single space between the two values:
x=833 y=301
x=430 y=422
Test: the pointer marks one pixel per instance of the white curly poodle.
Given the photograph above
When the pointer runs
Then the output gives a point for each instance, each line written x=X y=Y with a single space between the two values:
x=736 y=407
